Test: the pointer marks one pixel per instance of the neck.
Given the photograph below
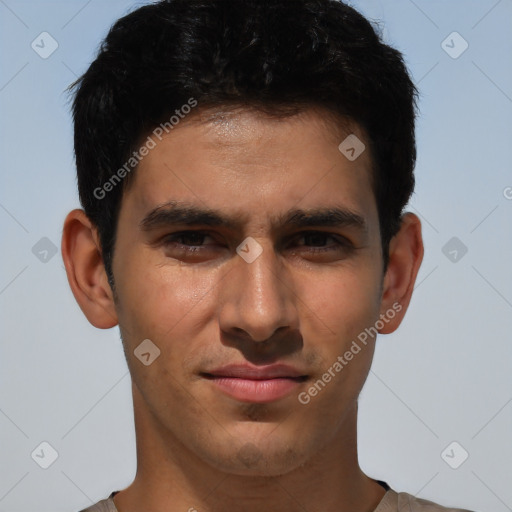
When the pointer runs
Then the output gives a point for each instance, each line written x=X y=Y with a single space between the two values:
x=171 y=477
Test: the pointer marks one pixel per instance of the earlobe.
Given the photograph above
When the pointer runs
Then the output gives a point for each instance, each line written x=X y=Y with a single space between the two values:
x=86 y=274
x=405 y=257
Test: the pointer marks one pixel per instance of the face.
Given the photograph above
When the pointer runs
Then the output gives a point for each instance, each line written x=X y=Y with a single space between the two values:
x=227 y=259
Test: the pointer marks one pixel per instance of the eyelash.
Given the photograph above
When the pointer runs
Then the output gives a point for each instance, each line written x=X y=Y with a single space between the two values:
x=341 y=243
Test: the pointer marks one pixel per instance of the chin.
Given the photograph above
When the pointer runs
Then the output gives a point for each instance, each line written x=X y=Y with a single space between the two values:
x=258 y=459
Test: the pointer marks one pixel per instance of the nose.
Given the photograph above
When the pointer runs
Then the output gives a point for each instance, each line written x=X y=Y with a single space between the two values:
x=257 y=298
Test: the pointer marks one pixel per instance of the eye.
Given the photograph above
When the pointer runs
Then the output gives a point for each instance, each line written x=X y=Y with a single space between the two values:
x=198 y=245
x=318 y=238
x=187 y=241
x=317 y=242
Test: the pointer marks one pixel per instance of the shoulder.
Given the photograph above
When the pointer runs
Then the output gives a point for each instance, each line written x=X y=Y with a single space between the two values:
x=393 y=502
x=106 y=505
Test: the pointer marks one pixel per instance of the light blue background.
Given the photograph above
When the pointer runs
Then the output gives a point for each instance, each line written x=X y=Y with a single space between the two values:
x=443 y=377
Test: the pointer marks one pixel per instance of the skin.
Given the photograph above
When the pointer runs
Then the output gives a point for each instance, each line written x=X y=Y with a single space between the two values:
x=198 y=448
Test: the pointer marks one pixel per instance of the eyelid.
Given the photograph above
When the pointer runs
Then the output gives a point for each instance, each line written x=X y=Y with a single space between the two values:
x=188 y=232
x=293 y=235
x=336 y=236
x=339 y=240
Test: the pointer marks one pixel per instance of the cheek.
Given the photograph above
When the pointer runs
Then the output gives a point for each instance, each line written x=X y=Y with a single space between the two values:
x=158 y=301
x=167 y=305
x=341 y=305
x=343 y=309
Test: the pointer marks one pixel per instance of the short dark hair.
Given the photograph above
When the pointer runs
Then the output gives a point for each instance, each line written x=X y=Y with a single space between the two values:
x=279 y=57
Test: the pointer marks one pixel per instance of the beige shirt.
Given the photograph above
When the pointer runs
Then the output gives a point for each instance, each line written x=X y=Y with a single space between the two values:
x=391 y=502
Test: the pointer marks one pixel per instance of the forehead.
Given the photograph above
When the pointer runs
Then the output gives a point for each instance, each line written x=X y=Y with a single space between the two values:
x=229 y=132
x=245 y=161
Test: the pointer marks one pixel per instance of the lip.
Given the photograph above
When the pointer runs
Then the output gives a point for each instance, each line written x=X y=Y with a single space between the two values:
x=256 y=384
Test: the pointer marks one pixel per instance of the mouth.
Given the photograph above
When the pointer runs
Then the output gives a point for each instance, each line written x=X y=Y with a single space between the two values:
x=256 y=384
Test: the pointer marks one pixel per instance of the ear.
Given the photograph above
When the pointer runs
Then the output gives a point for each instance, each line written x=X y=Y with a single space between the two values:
x=405 y=257
x=81 y=253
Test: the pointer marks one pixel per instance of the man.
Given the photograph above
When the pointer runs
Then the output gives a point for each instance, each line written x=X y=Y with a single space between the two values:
x=243 y=168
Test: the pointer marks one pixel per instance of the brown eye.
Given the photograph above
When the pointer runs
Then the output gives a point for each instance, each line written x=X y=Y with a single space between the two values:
x=318 y=241
x=188 y=241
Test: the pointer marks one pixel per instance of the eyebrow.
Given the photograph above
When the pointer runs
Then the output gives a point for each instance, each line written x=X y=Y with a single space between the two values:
x=180 y=213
